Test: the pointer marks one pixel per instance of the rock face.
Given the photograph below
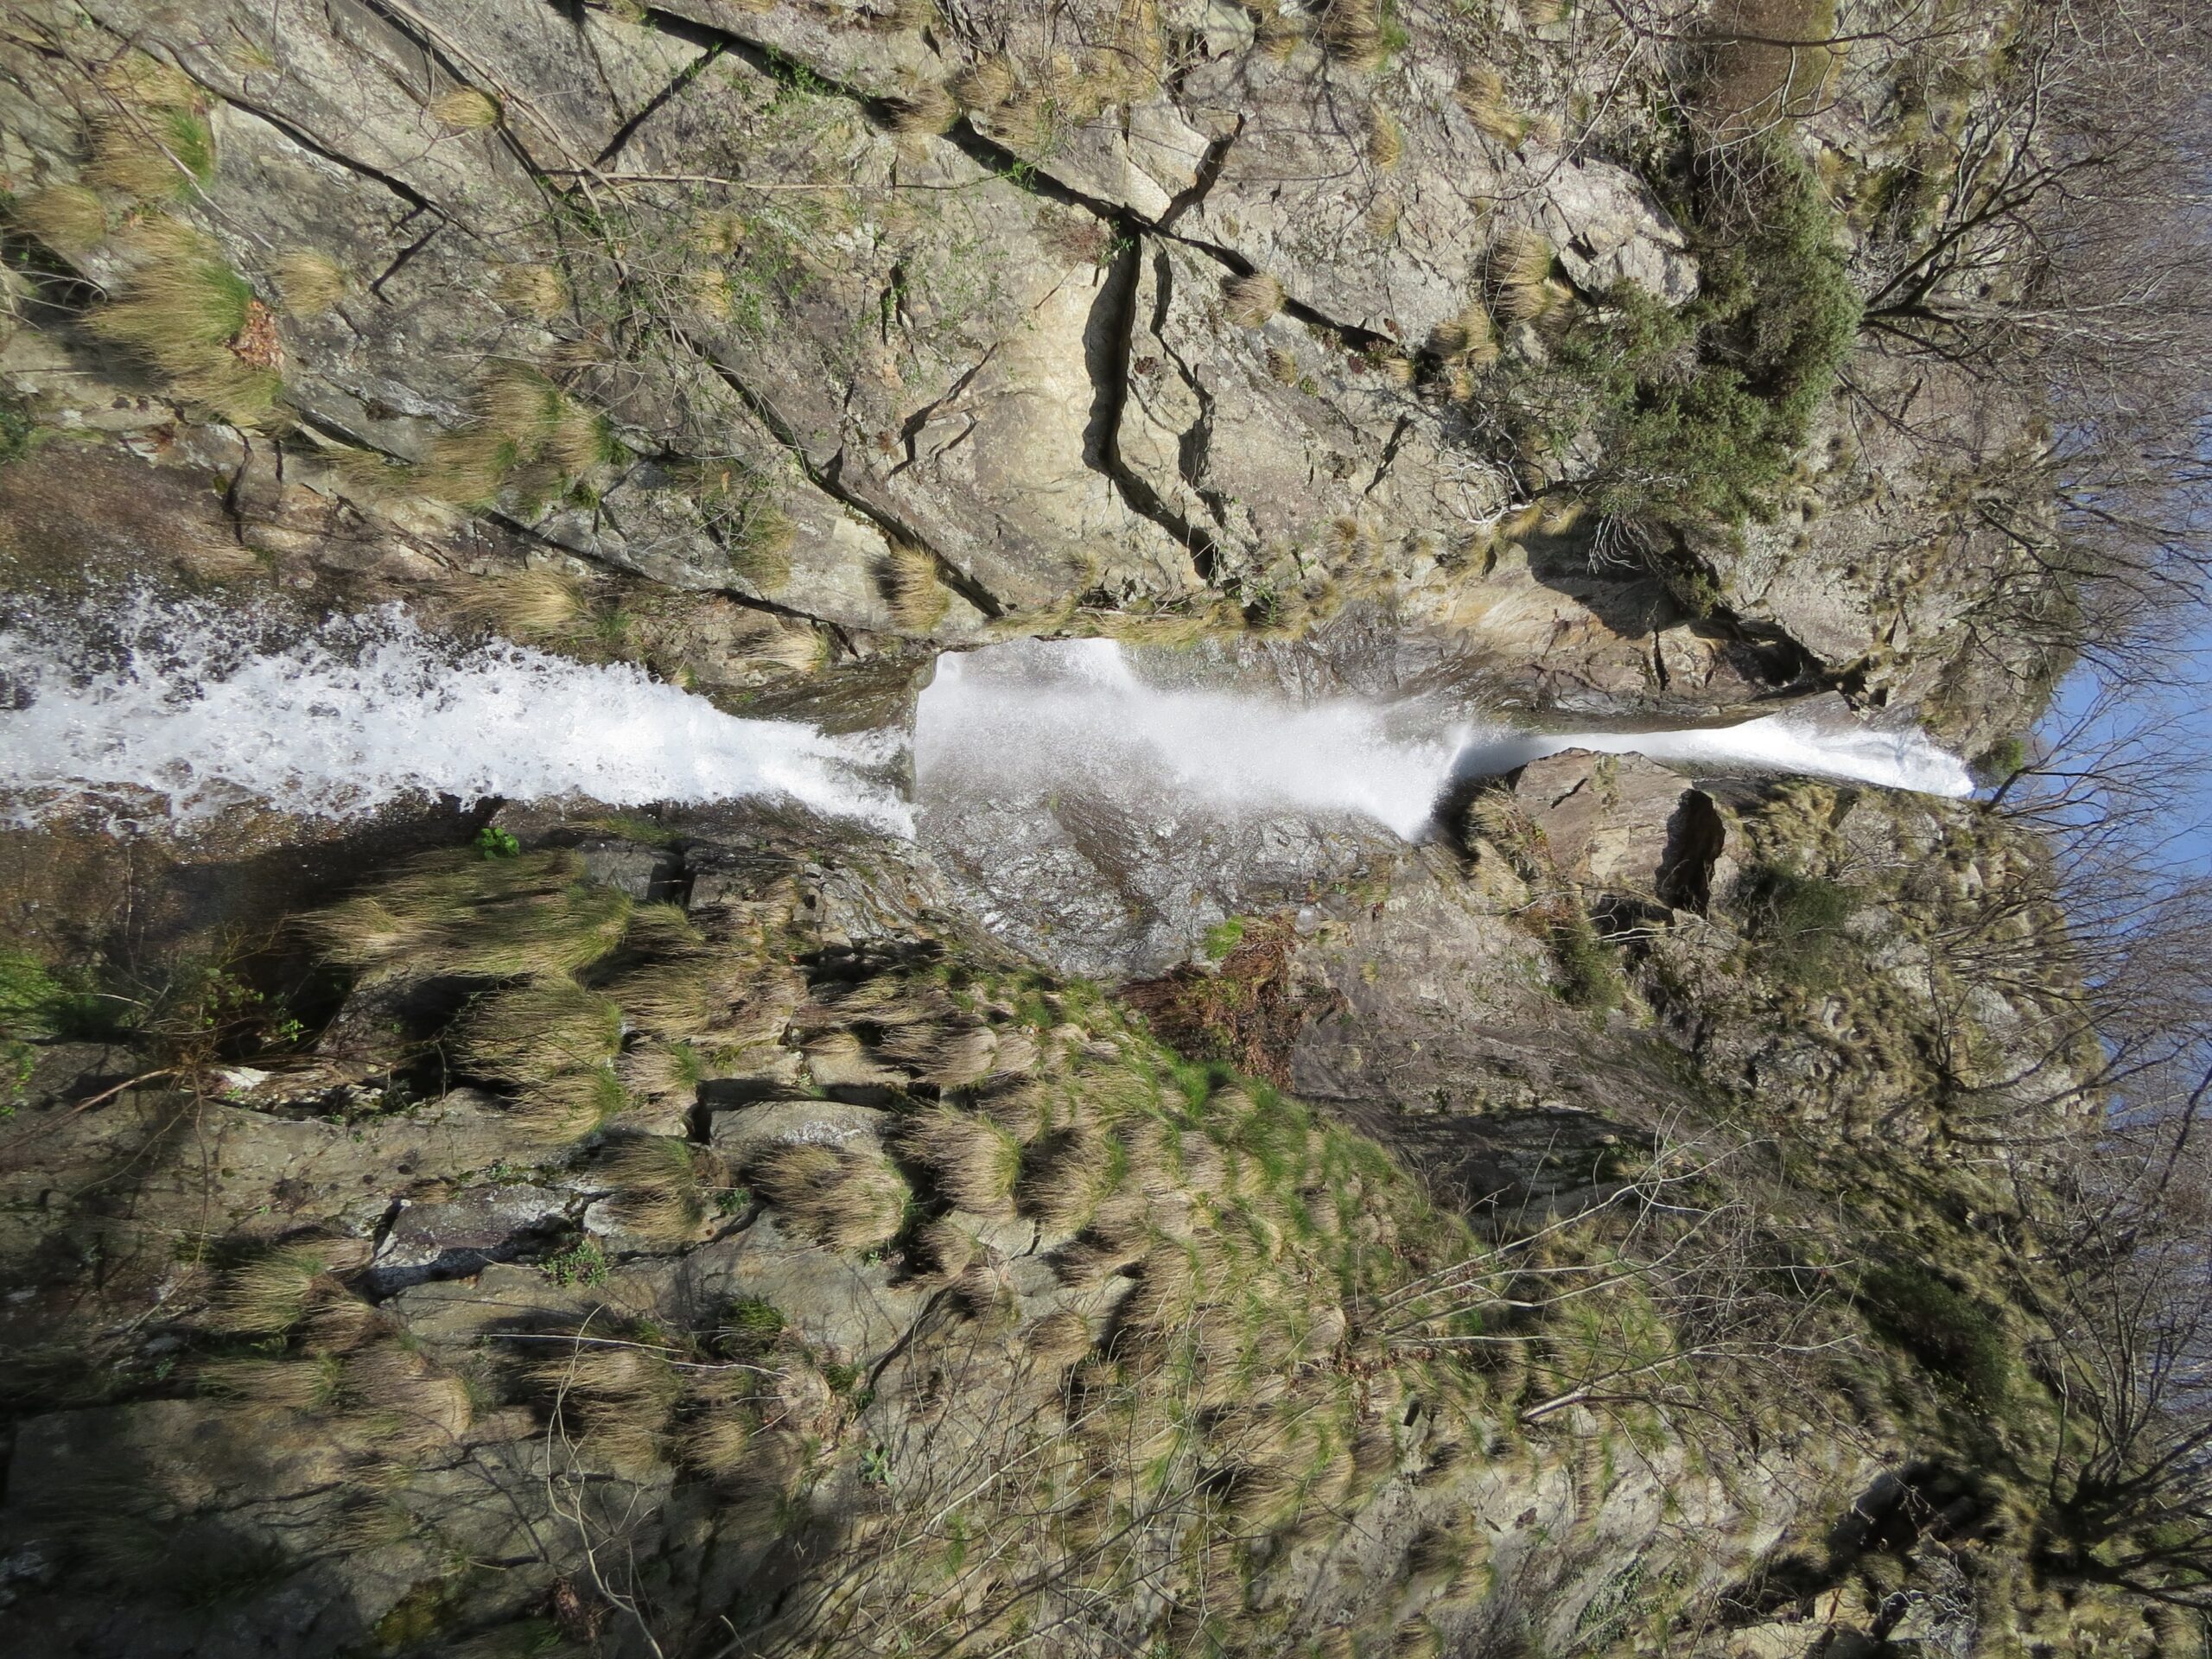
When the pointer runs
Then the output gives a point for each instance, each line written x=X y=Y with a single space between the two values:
x=877 y=329
x=1625 y=824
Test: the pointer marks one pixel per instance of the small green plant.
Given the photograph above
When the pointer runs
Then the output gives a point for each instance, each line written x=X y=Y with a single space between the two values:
x=583 y=1262
x=875 y=1466
x=492 y=842
x=751 y=1327
x=19 y=432
x=1223 y=938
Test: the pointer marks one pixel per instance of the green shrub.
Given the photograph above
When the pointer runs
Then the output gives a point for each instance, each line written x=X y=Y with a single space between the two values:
x=1798 y=920
x=1948 y=1331
x=491 y=841
x=1590 y=976
x=1702 y=411
x=2001 y=762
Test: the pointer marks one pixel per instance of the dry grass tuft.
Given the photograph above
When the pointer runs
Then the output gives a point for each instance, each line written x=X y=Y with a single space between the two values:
x=1057 y=1340
x=848 y=1200
x=945 y=1247
x=67 y=218
x=917 y=595
x=1282 y=366
x=1099 y=1252
x=1384 y=215
x=310 y=282
x=618 y=1400
x=984 y=1294
x=145 y=82
x=152 y=155
x=718 y=1443
x=1351 y=34
x=1479 y=350
x=922 y=108
x=310 y=1384
x=525 y=434
x=489 y=919
x=949 y=1057
x=185 y=311
x=1481 y=94
x=530 y=605
x=985 y=85
x=1448 y=339
x=661 y=1070
x=538 y=291
x=1276 y=32
x=677 y=1000
x=1066 y=1176
x=465 y=110
x=1518 y=267
x=1393 y=366
x=271 y=1292
x=760 y=546
x=1167 y=1293
x=570 y=1104
x=337 y=1325
x=1385 y=142
x=1252 y=299
x=976 y=1162
x=660 y=1183
x=525 y=1032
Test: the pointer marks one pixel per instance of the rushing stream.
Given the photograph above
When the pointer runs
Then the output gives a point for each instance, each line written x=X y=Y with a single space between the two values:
x=183 y=709
x=1100 y=807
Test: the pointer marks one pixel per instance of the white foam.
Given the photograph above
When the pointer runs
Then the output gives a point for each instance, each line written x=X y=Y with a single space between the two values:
x=1073 y=718
x=1032 y=718
x=198 y=709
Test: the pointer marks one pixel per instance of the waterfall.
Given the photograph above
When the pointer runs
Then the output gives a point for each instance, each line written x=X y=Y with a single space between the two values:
x=184 y=708
x=1073 y=719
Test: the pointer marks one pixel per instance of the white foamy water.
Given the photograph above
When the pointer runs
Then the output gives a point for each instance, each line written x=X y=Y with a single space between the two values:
x=193 y=709
x=1071 y=719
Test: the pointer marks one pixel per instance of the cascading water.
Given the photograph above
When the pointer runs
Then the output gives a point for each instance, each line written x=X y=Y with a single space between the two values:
x=1099 y=807
x=1075 y=717
x=1104 y=808
x=186 y=709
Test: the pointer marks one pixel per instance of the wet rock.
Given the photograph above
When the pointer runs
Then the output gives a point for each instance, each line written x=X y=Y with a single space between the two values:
x=646 y=873
x=743 y=1133
x=457 y=1237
